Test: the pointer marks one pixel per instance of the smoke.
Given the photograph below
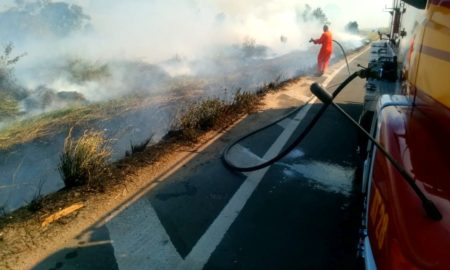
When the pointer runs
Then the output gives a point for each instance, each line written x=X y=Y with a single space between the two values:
x=87 y=51
x=124 y=47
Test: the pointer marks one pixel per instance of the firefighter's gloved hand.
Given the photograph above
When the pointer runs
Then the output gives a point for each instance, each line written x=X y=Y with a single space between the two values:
x=311 y=40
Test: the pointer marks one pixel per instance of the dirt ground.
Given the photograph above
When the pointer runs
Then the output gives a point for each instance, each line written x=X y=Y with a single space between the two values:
x=23 y=239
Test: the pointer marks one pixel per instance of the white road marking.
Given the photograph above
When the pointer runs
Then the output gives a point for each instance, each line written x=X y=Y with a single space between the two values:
x=244 y=156
x=332 y=75
x=284 y=124
x=201 y=252
x=140 y=240
x=206 y=245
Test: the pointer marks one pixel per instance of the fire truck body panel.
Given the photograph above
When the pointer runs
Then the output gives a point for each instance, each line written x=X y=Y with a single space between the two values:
x=430 y=54
x=401 y=235
x=415 y=130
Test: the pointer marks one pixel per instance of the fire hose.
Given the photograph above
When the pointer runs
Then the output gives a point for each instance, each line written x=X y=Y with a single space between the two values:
x=327 y=99
x=230 y=165
x=345 y=55
x=291 y=146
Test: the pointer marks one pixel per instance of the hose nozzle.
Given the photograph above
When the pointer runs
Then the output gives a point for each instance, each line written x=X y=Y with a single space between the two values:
x=321 y=93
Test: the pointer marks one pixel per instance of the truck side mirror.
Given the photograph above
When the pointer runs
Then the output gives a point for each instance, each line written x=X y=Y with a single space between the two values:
x=403 y=33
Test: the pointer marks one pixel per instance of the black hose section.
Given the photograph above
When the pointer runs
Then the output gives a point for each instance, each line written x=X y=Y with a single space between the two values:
x=227 y=149
x=345 y=55
x=297 y=141
x=428 y=205
x=289 y=114
x=334 y=85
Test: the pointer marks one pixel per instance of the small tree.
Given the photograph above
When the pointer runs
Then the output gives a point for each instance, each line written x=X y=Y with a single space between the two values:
x=320 y=16
x=306 y=13
x=10 y=92
x=352 y=27
x=6 y=64
x=309 y=14
x=34 y=19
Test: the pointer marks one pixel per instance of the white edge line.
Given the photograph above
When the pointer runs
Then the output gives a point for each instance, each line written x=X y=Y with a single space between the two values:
x=332 y=75
x=189 y=156
x=209 y=241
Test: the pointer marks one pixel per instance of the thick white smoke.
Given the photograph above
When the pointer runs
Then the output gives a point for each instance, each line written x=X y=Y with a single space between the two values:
x=155 y=31
x=94 y=50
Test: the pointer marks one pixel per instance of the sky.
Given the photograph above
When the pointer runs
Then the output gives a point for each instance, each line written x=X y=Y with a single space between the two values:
x=368 y=13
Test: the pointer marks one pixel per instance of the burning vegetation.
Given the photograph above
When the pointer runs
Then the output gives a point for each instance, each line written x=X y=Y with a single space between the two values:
x=103 y=95
x=78 y=74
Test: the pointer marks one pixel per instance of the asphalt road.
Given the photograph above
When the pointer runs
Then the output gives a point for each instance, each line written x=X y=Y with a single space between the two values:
x=301 y=213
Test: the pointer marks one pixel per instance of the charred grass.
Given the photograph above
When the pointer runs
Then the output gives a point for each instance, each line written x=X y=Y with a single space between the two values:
x=84 y=161
x=37 y=127
x=94 y=179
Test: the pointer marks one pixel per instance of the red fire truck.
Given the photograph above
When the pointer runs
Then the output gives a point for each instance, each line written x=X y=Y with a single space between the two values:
x=407 y=211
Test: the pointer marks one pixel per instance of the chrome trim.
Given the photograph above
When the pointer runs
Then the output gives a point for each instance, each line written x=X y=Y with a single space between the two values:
x=383 y=102
x=369 y=260
x=366 y=175
x=393 y=100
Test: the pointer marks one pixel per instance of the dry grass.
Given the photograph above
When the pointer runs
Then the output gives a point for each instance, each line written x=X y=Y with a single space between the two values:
x=85 y=161
x=21 y=231
x=245 y=102
x=201 y=116
x=37 y=127
x=8 y=106
x=214 y=113
x=372 y=34
x=82 y=70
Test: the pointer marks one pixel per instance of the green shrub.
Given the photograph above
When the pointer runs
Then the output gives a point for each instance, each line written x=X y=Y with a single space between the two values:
x=85 y=161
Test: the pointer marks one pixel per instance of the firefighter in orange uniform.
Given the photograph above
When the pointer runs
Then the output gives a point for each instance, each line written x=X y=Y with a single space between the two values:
x=325 y=52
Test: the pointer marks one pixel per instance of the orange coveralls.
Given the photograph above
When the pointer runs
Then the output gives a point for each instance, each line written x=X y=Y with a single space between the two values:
x=325 y=52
